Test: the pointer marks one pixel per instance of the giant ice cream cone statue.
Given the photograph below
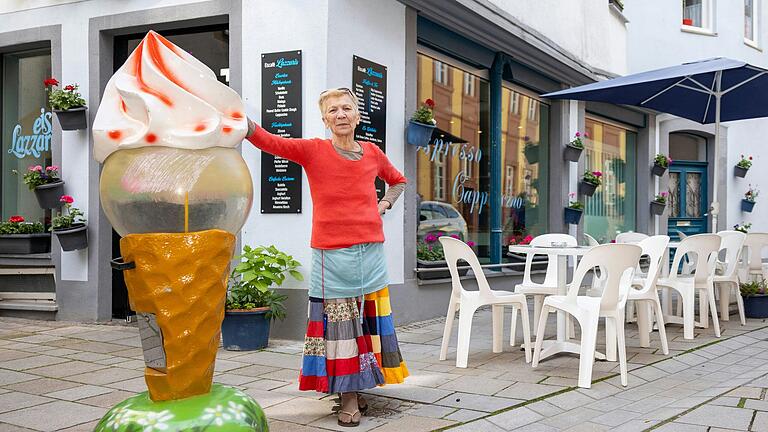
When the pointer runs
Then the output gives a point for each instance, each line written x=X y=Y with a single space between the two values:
x=175 y=187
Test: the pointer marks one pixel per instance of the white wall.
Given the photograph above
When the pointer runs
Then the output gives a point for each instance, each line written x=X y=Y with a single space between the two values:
x=587 y=29
x=655 y=39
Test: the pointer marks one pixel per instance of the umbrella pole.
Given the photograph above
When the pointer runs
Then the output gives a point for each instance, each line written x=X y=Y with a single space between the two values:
x=715 y=207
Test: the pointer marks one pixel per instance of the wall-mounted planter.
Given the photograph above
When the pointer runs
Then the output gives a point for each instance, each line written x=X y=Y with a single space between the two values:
x=739 y=171
x=48 y=195
x=572 y=153
x=658 y=170
x=747 y=206
x=25 y=243
x=587 y=188
x=572 y=216
x=419 y=134
x=657 y=208
x=74 y=238
x=531 y=154
x=443 y=274
x=73 y=118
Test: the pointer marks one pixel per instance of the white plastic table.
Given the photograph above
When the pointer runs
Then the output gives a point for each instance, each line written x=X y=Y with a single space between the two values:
x=550 y=347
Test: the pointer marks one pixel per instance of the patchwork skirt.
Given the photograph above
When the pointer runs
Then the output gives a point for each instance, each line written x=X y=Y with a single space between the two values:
x=343 y=353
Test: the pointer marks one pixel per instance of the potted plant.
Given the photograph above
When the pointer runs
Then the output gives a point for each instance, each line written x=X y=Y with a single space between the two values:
x=531 y=150
x=430 y=255
x=755 y=298
x=421 y=125
x=20 y=237
x=688 y=21
x=660 y=164
x=251 y=302
x=68 y=105
x=574 y=210
x=46 y=184
x=574 y=148
x=658 y=204
x=741 y=168
x=743 y=227
x=70 y=228
x=748 y=202
x=590 y=182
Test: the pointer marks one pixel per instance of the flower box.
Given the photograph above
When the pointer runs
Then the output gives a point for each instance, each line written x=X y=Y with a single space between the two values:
x=658 y=170
x=572 y=153
x=25 y=243
x=572 y=216
x=48 y=194
x=73 y=118
x=657 y=208
x=747 y=205
x=688 y=21
x=756 y=306
x=419 y=134
x=739 y=171
x=587 y=188
x=73 y=238
x=444 y=274
x=531 y=154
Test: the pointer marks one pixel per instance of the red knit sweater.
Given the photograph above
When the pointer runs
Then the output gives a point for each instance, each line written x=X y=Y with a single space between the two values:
x=345 y=210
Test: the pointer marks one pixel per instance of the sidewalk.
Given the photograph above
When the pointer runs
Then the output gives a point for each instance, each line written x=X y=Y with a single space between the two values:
x=64 y=376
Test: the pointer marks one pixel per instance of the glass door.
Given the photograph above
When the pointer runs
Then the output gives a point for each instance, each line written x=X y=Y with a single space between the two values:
x=687 y=205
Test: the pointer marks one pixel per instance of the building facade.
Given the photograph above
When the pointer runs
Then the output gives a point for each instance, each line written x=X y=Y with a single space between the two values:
x=492 y=174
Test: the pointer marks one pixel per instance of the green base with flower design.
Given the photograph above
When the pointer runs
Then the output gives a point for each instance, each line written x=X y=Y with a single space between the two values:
x=223 y=409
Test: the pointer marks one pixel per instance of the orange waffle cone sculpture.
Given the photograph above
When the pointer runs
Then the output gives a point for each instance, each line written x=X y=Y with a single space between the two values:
x=180 y=280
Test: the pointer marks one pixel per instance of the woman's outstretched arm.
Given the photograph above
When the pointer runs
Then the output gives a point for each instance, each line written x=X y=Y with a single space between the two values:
x=294 y=149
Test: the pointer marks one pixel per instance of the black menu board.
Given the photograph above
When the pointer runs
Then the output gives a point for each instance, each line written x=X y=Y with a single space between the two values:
x=369 y=82
x=281 y=115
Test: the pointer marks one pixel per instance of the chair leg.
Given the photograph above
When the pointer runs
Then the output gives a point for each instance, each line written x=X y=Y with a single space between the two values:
x=740 y=304
x=643 y=320
x=713 y=309
x=447 y=329
x=570 y=328
x=610 y=339
x=662 y=329
x=465 y=330
x=725 y=300
x=542 y=325
x=688 y=318
x=526 y=332
x=622 y=349
x=587 y=353
x=513 y=325
x=538 y=301
x=704 y=308
x=497 y=317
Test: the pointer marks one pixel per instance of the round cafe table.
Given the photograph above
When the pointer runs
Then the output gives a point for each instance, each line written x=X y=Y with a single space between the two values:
x=550 y=347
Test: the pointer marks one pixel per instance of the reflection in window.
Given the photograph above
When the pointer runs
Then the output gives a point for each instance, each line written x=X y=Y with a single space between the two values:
x=514 y=105
x=610 y=150
x=441 y=73
x=750 y=20
x=469 y=84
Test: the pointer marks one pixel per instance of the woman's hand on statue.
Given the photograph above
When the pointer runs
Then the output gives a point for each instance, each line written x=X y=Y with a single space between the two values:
x=383 y=207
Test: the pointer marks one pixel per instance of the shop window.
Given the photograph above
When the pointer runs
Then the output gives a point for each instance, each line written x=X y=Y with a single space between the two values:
x=26 y=126
x=697 y=13
x=750 y=22
x=610 y=149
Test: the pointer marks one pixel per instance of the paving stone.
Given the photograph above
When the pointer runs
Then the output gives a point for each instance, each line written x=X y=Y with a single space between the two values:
x=106 y=376
x=232 y=379
x=331 y=422
x=478 y=385
x=570 y=418
x=477 y=402
x=512 y=419
x=40 y=416
x=411 y=393
x=477 y=426
x=79 y=392
x=5 y=427
x=544 y=408
x=615 y=418
x=536 y=427
x=587 y=427
x=84 y=427
x=569 y=400
x=299 y=410
x=746 y=392
x=636 y=425
x=760 y=405
x=11 y=377
x=17 y=400
x=680 y=427
x=415 y=424
x=267 y=399
x=97 y=347
x=107 y=400
x=265 y=384
x=136 y=385
x=719 y=416
x=528 y=391
x=7 y=355
x=463 y=415
x=42 y=386
x=32 y=362
x=281 y=426
x=434 y=411
x=69 y=368
x=38 y=339
x=760 y=424
x=254 y=370
x=726 y=401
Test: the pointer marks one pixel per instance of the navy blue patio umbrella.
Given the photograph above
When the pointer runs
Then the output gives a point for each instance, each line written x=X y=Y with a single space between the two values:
x=706 y=91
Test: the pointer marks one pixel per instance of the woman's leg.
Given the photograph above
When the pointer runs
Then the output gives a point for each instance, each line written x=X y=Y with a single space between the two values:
x=350 y=413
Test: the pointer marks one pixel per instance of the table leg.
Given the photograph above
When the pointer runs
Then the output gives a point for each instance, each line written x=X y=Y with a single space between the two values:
x=562 y=286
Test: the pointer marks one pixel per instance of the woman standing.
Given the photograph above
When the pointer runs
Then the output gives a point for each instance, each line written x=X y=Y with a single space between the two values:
x=350 y=344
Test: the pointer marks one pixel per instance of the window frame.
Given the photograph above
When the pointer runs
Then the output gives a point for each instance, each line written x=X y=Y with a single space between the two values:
x=755 y=42
x=707 y=19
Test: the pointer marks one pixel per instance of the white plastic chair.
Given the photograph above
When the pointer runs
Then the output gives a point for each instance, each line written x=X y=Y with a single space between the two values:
x=755 y=243
x=630 y=237
x=467 y=302
x=617 y=262
x=549 y=286
x=590 y=240
x=644 y=291
x=731 y=242
x=705 y=247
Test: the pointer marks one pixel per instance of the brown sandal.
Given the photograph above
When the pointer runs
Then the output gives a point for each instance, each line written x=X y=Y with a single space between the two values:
x=354 y=418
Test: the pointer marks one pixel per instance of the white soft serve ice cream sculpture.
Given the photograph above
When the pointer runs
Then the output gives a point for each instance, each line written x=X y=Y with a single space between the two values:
x=166 y=132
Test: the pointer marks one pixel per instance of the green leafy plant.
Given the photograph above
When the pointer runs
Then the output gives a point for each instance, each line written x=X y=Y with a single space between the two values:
x=745 y=163
x=425 y=113
x=259 y=269
x=751 y=194
x=662 y=160
x=753 y=288
x=743 y=228
x=37 y=176
x=73 y=215
x=575 y=203
x=63 y=99
x=576 y=141
x=16 y=225
x=661 y=198
x=593 y=177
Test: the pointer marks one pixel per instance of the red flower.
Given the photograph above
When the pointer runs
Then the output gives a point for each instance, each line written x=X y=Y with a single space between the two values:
x=750 y=158
x=66 y=199
x=69 y=87
x=16 y=219
x=50 y=82
x=430 y=103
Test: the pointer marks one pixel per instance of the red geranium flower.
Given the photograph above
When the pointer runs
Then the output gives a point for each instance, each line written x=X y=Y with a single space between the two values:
x=16 y=219
x=66 y=199
x=430 y=103
x=69 y=87
x=50 y=82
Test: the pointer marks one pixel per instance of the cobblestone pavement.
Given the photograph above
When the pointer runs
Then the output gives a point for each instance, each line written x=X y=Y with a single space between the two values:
x=63 y=376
